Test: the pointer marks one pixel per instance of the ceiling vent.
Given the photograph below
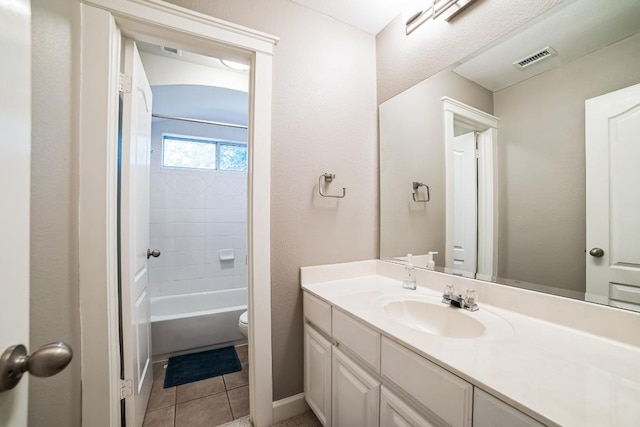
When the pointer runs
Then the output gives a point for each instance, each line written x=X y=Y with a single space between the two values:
x=171 y=51
x=545 y=53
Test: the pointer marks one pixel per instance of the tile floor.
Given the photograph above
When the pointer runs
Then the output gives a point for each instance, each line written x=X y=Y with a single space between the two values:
x=209 y=402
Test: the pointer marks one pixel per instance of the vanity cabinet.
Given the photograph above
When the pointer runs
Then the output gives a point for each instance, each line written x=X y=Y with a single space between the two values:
x=317 y=374
x=491 y=412
x=446 y=395
x=355 y=398
x=394 y=412
x=354 y=376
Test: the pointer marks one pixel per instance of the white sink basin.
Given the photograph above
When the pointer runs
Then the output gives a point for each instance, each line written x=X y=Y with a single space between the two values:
x=429 y=315
x=434 y=319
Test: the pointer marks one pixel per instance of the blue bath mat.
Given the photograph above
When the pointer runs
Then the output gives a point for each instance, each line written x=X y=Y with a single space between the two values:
x=194 y=367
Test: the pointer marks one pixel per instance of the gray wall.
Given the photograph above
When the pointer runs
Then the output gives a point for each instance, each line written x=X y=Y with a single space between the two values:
x=542 y=158
x=402 y=61
x=54 y=187
x=324 y=120
x=412 y=149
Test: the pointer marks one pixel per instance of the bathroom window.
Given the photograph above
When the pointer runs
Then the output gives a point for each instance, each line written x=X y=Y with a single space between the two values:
x=233 y=157
x=202 y=153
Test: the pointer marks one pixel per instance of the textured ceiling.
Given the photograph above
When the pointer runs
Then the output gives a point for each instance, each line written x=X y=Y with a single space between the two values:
x=370 y=16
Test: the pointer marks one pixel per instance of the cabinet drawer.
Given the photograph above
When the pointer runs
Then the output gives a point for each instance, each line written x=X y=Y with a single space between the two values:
x=443 y=393
x=360 y=339
x=317 y=312
x=491 y=412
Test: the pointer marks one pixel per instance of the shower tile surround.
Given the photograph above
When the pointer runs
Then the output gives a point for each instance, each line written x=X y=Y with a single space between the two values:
x=194 y=214
x=567 y=362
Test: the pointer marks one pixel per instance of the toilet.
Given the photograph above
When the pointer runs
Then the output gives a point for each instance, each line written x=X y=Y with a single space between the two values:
x=243 y=323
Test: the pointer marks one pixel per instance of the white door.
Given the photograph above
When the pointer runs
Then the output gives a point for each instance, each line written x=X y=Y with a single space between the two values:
x=613 y=198
x=317 y=374
x=462 y=250
x=15 y=155
x=355 y=400
x=134 y=211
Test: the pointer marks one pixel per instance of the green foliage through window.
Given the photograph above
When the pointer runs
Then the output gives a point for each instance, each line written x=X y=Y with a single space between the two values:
x=200 y=153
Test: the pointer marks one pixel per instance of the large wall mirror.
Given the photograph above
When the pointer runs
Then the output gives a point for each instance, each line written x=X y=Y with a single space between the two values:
x=521 y=163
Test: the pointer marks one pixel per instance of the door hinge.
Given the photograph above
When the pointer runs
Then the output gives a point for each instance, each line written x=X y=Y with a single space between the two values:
x=477 y=154
x=126 y=389
x=124 y=83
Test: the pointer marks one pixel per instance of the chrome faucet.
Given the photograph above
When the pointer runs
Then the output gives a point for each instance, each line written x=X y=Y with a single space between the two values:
x=469 y=301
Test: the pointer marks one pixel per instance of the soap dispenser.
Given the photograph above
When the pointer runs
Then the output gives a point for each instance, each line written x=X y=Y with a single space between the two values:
x=410 y=281
x=431 y=264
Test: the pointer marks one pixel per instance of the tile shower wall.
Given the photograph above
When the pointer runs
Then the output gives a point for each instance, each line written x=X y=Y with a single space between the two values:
x=195 y=214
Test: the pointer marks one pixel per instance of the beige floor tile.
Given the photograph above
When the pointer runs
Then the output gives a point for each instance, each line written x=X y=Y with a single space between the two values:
x=161 y=397
x=161 y=418
x=239 y=401
x=237 y=379
x=240 y=422
x=198 y=389
x=207 y=411
x=243 y=353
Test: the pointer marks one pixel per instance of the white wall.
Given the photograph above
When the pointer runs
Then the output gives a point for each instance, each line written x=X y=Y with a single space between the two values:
x=162 y=70
x=194 y=214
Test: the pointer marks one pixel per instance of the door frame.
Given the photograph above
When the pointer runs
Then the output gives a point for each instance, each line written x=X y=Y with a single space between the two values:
x=103 y=22
x=458 y=113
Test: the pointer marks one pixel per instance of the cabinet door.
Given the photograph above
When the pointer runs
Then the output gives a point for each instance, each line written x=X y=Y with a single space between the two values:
x=317 y=374
x=356 y=394
x=395 y=413
x=491 y=412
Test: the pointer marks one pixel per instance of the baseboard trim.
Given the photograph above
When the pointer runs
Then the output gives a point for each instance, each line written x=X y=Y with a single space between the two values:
x=289 y=407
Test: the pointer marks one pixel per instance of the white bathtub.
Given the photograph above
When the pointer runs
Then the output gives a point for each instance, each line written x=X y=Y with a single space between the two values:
x=192 y=322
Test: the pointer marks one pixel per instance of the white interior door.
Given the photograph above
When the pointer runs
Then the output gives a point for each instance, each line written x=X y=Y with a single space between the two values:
x=15 y=155
x=462 y=249
x=134 y=185
x=613 y=197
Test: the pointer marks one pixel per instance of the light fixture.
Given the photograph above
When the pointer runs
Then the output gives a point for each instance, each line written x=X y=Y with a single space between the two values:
x=448 y=9
x=236 y=66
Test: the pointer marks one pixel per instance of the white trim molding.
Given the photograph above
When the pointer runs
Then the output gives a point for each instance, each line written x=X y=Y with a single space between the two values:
x=103 y=22
x=458 y=114
x=289 y=407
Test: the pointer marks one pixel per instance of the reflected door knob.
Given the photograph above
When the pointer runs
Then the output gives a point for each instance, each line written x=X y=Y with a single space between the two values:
x=596 y=252
x=47 y=361
x=153 y=253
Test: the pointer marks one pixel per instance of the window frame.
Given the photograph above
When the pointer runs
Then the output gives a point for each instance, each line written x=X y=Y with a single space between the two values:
x=217 y=142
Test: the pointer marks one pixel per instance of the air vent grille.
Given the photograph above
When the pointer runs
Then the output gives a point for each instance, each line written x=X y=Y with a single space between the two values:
x=171 y=51
x=535 y=57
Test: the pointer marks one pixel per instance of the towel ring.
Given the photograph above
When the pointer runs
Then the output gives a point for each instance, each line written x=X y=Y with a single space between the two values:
x=417 y=185
x=328 y=177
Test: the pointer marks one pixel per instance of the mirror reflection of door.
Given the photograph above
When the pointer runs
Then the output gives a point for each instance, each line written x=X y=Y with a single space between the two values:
x=471 y=209
x=613 y=198
x=464 y=245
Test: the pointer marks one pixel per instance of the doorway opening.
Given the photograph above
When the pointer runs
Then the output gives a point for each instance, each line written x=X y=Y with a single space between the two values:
x=192 y=206
x=103 y=26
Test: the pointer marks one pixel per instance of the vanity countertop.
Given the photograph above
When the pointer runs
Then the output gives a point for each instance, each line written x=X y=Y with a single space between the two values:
x=557 y=375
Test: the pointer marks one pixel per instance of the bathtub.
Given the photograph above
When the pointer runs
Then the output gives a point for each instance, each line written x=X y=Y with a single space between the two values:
x=195 y=322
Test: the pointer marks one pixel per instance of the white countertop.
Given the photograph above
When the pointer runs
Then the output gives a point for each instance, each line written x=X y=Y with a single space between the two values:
x=557 y=375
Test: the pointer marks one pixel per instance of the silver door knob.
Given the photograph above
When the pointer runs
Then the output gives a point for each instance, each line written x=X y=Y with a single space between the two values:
x=596 y=252
x=153 y=253
x=47 y=361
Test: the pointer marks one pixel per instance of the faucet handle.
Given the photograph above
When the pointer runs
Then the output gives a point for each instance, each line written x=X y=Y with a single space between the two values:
x=471 y=297
x=449 y=290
